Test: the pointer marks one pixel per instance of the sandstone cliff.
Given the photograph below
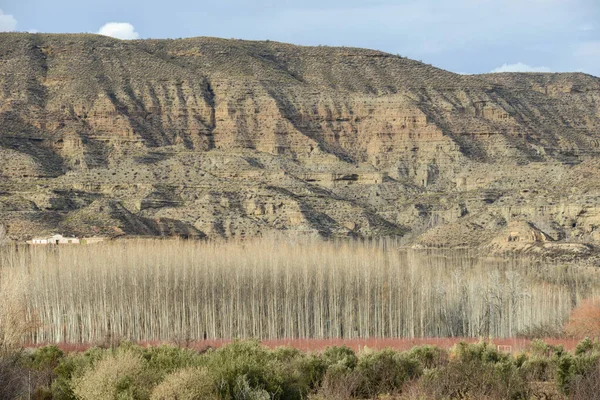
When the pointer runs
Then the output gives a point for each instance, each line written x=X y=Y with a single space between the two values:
x=211 y=137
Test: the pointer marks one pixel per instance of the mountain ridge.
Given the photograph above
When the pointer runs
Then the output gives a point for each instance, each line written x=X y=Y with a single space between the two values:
x=215 y=137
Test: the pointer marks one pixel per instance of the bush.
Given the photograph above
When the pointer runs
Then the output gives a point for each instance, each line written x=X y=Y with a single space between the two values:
x=70 y=366
x=340 y=356
x=186 y=384
x=248 y=359
x=546 y=330
x=476 y=371
x=13 y=380
x=243 y=391
x=475 y=379
x=42 y=364
x=481 y=351
x=574 y=369
x=299 y=373
x=339 y=383
x=586 y=346
x=429 y=356
x=121 y=374
x=538 y=369
x=336 y=368
x=163 y=360
x=586 y=386
x=385 y=372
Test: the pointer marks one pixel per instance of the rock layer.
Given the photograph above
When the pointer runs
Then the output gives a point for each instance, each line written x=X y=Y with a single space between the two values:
x=210 y=137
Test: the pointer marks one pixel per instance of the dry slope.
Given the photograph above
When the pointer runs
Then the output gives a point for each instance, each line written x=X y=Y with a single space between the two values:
x=212 y=137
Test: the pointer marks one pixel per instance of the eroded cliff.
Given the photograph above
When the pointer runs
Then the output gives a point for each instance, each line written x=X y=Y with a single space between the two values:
x=211 y=137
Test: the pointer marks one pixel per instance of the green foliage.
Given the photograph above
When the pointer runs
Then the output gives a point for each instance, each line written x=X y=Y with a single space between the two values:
x=245 y=361
x=477 y=373
x=120 y=374
x=385 y=372
x=46 y=357
x=247 y=370
x=538 y=369
x=186 y=384
x=563 y=372
x=481 y=351
x=539 y=348
x=429 y=356
x=340 y=357
x=70 y=366
x=587 y=345
x=571 y=370
x=165 y=359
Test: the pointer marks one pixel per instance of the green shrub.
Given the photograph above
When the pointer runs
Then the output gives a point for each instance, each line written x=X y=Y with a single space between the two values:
x=564 y=372
x=476 y=371
x=122 y=374
x=42 y=364
x=574 y=369
x=482 y=351
x=340 y=356
x=587 y=345
x=299 y=374
x=429 y=356
x=538 y=369
x=339 y=380
x=312 y=367
x=585 y=386
x=186 y=384
x=45 y=357
x=247 y=359
x=539 y=348
x=70 y=366
x=165 y=359
x=385 y=372
x=340 y=383
x=244 y=391
x=475 y=379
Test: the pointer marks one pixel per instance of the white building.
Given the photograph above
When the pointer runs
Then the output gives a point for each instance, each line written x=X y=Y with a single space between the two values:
x=56 y=239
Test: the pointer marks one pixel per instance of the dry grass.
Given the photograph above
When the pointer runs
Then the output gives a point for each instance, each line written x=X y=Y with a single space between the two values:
x=272 y=289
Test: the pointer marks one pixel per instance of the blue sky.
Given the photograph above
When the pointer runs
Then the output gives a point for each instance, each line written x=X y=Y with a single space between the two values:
x=465 y=36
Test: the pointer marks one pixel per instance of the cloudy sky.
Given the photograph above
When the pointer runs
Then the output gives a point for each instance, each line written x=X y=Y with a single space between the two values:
x=465 y=36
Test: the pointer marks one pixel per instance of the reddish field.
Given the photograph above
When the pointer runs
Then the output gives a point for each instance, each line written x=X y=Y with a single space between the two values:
x=512 y=345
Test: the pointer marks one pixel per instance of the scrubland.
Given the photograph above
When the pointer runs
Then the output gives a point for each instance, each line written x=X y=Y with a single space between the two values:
x=247 y=370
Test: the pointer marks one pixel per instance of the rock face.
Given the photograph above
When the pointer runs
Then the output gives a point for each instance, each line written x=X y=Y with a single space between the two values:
x=209 y=137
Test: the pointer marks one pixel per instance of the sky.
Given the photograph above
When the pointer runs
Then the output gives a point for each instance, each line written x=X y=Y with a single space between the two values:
x=463 y=36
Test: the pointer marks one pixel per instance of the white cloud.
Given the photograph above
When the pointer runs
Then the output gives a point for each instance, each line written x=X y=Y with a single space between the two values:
x=519 y=67
x=587 y=28
x=119 y=30
x=8 y=23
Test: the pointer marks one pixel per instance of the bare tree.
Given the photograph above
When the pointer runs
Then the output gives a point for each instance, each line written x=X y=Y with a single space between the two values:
x=14 y=324
x=271 y=289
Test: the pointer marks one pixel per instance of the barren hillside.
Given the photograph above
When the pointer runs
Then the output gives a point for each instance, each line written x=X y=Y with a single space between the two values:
x=210 y=137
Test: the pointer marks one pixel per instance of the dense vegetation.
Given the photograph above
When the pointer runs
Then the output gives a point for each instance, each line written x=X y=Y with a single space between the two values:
x=269 y=289
x=247 y=370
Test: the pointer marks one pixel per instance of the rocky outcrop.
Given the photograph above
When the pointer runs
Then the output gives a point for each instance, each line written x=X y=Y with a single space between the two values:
x=210 y=137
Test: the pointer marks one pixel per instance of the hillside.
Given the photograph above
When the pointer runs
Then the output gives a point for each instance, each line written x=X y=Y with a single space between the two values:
x=228 y=138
